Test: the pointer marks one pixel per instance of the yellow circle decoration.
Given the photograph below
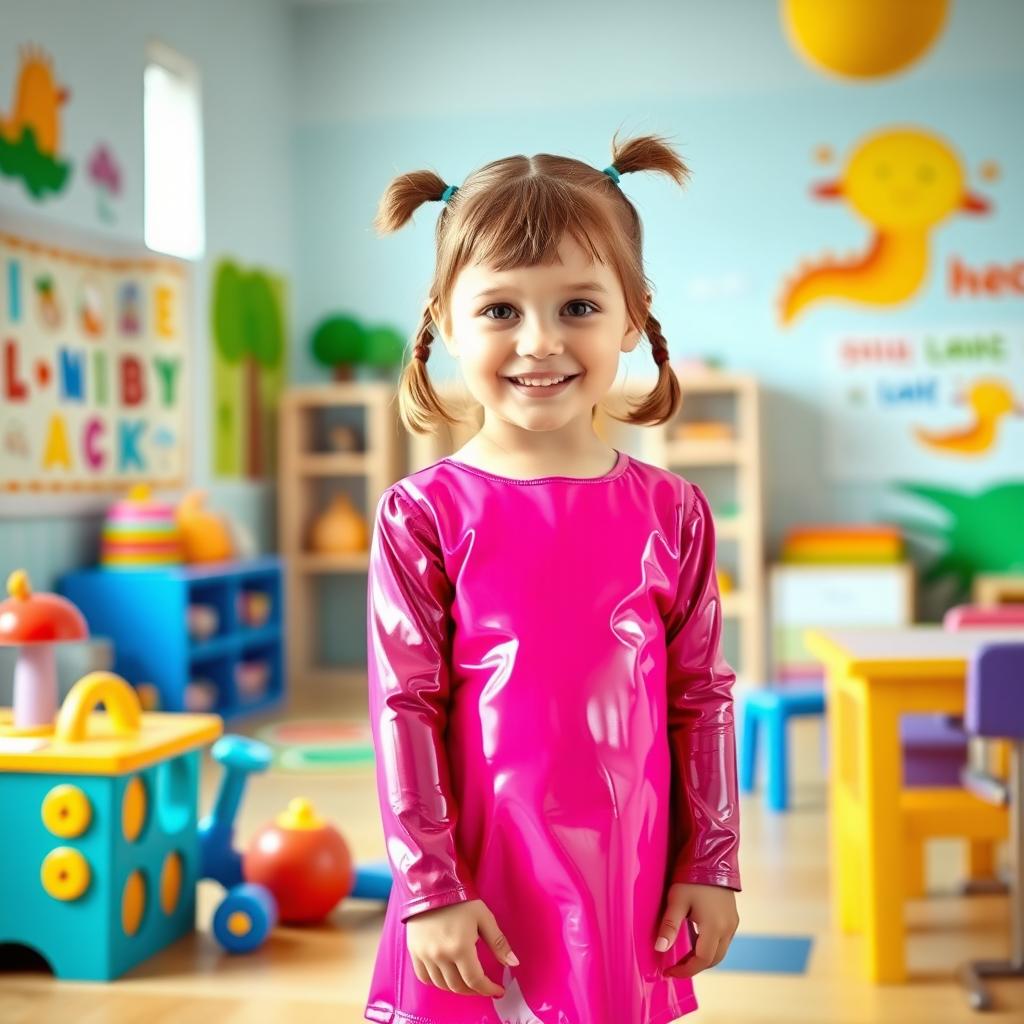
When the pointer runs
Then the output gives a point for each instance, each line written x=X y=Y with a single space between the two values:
x=66 y=811
x=863 y=38
x=65 y=873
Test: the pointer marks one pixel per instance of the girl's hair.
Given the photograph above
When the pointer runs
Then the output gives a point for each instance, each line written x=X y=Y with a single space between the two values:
x=513 y=213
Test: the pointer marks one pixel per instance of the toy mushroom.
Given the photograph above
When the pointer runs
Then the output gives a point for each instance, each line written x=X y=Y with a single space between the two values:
x=34 y=623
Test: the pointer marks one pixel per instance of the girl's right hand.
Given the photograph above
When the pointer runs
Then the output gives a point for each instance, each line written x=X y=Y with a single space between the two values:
x=442 y=943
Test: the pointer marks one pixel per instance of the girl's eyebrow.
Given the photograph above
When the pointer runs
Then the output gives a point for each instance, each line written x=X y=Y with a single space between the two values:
x=582 y=286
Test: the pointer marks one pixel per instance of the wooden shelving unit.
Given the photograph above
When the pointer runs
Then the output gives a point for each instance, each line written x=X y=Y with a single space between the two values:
x=739 y=454
x=307 y=467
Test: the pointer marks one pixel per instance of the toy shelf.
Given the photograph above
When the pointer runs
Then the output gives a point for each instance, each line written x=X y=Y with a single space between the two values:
x=312 y=470
x=231 y=652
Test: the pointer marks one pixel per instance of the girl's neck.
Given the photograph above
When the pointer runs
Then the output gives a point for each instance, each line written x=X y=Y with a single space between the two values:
x=541 y=453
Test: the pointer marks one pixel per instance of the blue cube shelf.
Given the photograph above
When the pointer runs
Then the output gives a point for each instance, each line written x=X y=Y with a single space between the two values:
x=144 y=612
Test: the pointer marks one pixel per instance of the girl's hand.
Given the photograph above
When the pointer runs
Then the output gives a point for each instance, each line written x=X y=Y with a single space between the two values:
x=712 y=908
x=442 y=943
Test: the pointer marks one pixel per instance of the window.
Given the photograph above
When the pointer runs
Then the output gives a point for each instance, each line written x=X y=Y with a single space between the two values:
x=173 y=140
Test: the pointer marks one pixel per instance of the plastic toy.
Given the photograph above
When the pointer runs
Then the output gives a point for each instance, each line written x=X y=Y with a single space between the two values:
x=34 y=623
x=139 y=533
x=310 y=873
x=254 y=608
x=110 y=850
x=104 y=808
x=205 y=536
x=203 y=621
x=303 y=861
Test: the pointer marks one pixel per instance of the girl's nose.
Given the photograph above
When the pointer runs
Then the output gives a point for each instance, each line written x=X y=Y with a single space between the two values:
x=539 y=340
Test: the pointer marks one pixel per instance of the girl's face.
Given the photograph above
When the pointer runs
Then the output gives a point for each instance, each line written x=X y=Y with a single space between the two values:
x=568 y=318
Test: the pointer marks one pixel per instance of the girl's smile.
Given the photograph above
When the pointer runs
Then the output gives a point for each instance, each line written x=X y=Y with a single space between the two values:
x=540 y=390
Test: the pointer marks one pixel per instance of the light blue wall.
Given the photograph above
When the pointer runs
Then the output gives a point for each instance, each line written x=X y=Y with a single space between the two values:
x=243 y=49
x=385 y=88
x=310 y=109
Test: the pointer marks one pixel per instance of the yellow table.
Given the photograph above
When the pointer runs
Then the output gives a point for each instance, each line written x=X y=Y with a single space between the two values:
x=873 y=676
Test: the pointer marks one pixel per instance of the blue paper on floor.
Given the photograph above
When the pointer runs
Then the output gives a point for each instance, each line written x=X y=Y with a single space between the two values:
x=768 y=954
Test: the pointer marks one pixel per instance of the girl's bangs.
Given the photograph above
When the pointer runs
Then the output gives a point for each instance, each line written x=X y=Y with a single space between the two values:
x=522 y=226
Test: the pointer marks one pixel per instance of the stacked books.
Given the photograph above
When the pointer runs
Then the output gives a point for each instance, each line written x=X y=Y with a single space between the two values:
x=843 y=544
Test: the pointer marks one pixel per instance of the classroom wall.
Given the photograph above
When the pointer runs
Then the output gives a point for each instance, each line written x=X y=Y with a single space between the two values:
x=243 y=49
x=384 y=88
x=310 y=108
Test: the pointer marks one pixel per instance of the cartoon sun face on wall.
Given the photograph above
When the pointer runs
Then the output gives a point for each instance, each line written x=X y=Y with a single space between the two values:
x=905 y=182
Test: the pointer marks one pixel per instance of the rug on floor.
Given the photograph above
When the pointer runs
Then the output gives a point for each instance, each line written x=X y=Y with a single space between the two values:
x=768 y=954
x=319 y=745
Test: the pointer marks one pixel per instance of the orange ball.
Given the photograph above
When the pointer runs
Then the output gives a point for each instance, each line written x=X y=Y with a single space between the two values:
x=304 y=862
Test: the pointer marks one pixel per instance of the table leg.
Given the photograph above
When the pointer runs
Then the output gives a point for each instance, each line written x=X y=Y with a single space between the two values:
x=846 y=857
x=881 y=765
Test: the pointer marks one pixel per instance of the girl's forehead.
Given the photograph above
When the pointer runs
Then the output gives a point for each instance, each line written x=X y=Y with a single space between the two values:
x=573 y=267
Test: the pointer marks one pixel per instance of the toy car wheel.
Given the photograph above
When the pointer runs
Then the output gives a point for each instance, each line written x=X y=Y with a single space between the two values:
x=245 y=918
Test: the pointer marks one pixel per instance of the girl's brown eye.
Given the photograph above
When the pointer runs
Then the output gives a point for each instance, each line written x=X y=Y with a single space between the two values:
x=489 y=308
x=582 y=302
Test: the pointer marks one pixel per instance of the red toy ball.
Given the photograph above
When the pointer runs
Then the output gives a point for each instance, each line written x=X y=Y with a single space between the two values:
x=303 y=861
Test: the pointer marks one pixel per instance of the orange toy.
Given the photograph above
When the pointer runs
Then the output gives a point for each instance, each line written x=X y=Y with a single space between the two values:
x=304 y=861
x=205 y=536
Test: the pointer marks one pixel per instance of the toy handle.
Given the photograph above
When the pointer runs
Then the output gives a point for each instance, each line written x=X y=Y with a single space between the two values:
x=121 y=701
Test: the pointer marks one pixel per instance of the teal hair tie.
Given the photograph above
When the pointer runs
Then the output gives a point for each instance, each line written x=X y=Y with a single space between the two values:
x=449 y=192
x=612 y=173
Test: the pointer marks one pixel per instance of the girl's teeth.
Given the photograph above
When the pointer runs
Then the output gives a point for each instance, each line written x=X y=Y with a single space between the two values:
x=540 y=383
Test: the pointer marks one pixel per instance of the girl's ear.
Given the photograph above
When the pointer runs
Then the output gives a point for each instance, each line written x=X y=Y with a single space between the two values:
x=442 y=328
x=631 y=338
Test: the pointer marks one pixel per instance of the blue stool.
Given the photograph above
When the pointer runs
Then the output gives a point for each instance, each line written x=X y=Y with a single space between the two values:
x=772 y=708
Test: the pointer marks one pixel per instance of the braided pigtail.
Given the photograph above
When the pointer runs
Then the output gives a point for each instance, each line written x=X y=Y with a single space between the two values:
x=651 y=153
x=419 y=405
x=663 y=401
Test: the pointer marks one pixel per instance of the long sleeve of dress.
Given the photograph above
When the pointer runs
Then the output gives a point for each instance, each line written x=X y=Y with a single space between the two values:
x=705 y=801
x=408 y=615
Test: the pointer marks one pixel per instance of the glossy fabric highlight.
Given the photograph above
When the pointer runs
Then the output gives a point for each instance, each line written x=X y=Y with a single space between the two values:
x=553 y=723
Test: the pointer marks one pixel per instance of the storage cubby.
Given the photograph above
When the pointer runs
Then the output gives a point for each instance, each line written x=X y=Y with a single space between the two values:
x=146 y=615
x=314 y=471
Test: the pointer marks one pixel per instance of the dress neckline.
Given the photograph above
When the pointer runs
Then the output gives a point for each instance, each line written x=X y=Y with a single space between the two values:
x=617 y=470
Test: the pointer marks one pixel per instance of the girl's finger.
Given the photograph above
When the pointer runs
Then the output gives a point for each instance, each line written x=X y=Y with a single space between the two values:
x=700 y=959
x=476 y=977
x=455 y=981
x=667 y=932
x=723 y=948
x=436 y=977
x=421 y=971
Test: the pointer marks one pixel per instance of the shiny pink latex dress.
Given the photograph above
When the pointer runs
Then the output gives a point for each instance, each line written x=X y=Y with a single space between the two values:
x=553 y=724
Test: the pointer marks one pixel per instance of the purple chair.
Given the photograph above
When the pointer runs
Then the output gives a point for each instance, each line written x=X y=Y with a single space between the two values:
x=994 y=709
x=935 y=746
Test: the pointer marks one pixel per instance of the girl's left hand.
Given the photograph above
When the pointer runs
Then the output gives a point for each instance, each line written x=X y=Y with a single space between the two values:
x=712 y=908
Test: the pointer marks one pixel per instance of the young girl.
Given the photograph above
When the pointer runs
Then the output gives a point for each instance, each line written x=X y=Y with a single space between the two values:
x=551 y=711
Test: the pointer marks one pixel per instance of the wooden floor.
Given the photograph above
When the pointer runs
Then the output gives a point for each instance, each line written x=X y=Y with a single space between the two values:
x=322 y=974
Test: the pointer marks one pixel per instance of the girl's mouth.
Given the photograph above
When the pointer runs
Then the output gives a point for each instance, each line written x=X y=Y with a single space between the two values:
x=542 y=390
